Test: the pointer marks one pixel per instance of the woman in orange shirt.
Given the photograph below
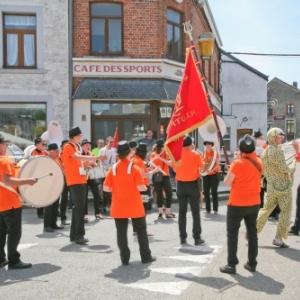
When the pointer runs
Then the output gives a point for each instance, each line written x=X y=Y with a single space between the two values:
x=244 y=202
x=160 y=158
x=125 y=176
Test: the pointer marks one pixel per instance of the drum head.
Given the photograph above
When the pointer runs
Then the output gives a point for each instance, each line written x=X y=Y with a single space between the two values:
x=49 y=188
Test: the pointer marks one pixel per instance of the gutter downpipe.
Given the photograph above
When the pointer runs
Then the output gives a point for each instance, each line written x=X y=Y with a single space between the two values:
x=70 y=19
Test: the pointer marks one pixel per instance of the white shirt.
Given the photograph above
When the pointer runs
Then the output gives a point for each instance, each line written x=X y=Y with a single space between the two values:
x=111 y=156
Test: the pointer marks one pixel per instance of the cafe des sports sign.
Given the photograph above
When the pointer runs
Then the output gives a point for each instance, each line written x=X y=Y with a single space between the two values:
x=139 y=68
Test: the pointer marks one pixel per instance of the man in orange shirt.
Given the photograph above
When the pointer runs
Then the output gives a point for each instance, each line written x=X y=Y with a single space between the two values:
x=40 y=150
x=187 y=174
x=76 y=181
x=244 y=202
x=125 y=176
x=50 y=215
x=10 y=211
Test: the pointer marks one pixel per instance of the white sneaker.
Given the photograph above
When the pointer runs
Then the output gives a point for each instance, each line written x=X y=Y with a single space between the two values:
x=280 y=243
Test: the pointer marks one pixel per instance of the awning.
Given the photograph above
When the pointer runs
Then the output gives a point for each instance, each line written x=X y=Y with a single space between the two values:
x=16 y=140
x=127 y=89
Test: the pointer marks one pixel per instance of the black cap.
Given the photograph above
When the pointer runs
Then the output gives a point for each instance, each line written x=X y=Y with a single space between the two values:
x=257 y=134
x=52 y=146
x=63 y=142
x=208 y=142
x=3 y=139
x=142 y=147
x=247 y=144
x=38 y=140
x=160 y=143
x=123 y=147
x=74 y=131
x=187 y=140
x=132 y=144
x=85 y=141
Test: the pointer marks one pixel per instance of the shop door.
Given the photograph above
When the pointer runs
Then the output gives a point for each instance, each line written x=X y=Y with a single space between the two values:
x=128 y=129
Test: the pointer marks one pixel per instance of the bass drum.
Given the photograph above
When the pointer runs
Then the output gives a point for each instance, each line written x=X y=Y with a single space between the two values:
x=49 y=188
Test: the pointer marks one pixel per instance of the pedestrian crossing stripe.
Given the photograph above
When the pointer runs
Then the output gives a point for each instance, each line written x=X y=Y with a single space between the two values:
x=182 y=272
x=210 y=249
x=25 y=246
x=171 y=288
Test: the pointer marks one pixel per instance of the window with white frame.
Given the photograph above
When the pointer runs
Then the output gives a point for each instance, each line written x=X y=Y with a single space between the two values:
x=19 y=33
x=226 y=138
x=290 y=109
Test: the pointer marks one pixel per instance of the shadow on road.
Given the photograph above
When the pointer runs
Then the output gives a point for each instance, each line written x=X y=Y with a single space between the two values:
x=87 y=249
x=16 y=276
x=291 y=253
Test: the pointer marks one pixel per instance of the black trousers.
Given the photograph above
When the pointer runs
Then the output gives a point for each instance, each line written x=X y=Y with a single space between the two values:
x=63 y=202
x=188 y=192
x=166 y=185
x=141 y=229
x=10 y=228
x=211 y=183
x=78 y=192
x=296 y=226
x=50 y=215
x=235 y=214
x=40 y=211
x=96 y=195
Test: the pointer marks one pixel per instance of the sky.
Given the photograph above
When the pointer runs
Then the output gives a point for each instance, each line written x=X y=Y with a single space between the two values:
x=261 y=26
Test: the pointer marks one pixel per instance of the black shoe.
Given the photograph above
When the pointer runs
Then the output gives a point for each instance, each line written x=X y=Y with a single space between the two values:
x=82 y=241
x=228 y=269
x=56 y=227
x=249 y=268
x=294 y=232
x=41 y=216
x=3 y=264
x=125 y=263
x=150 y=260
x=182 y=241
x=199 y=242
x=48 y=229
x=20 y=265
x=64 y=222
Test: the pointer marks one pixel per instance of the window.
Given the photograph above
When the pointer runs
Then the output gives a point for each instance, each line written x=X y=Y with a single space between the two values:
x=174 y=35
x=22 y=122
x=290 y=130
x=106 y=28
x=290 y=109
x=270 y=111
x=19 y=41
x=226 y=138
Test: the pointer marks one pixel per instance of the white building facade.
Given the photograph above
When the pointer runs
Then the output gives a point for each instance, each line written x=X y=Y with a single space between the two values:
x=34 y=67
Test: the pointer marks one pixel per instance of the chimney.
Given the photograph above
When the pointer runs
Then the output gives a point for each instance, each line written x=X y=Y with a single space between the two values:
x=295 y=84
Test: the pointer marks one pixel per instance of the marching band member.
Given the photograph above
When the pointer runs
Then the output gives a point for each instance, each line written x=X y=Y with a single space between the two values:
x=125 y=176
x=40 y=145
x=187 y=174
x=10 y=211
x=280 y=181
x=85 y=144
x=160 y=158
x=211 y=181
x=50 y=215
x=76 y=181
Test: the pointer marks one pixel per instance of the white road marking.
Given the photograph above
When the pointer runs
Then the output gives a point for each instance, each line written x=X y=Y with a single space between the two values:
x=188 y=272
x=201 y=259
x=171 y=288
x=25 y=246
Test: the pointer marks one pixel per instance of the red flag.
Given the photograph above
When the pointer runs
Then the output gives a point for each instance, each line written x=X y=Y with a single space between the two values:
x=191 y=109
x=116 y=138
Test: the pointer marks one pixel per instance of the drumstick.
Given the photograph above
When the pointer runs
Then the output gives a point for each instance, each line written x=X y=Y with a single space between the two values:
x=49 y=174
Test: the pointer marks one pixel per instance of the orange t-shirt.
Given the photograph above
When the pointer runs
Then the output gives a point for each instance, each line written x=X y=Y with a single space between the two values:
x=126 y=199
x=191 y=162
x=36 y=152
x=245 y=189
x=8 y=199
x=141 y=164
x=207 y=158
x=72 y=166
x=159 y=163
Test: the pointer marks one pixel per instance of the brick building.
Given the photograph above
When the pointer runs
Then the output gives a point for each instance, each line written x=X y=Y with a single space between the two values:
x=284 y=107
x=34 y=68
x=128 y=59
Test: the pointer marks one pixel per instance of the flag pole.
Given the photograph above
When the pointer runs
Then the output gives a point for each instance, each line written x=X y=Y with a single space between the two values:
x=188 y=30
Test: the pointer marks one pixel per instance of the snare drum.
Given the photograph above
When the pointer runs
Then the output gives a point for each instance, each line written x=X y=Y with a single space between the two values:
x=96 y=172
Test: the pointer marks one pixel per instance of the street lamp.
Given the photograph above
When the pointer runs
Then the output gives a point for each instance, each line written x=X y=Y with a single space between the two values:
x=206 y=42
